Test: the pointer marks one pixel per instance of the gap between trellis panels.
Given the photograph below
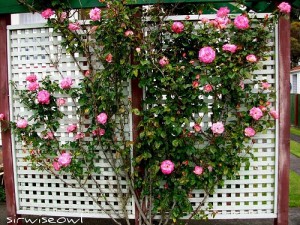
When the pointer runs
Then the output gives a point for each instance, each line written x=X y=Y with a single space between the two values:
x=283 y=140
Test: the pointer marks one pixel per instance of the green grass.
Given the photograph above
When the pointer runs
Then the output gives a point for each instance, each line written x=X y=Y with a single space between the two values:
x=294 y=189
x=295 y=148
x=295 y=131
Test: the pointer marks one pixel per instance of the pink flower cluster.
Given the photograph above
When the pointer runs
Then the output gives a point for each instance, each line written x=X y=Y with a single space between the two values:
x=241 y=22
x=60 y=101
x=167 y=167
x=71 y=128
x=43 y=97
x=66 y=83
x=251 y=58
x=63 y=160
x=207 y=55
x=128 y=33
x=163 y=61
x=177 y=27
x=95 y=14
x=47 y=13
x=249 y=132
x=256 y=113
x=98 y=132
x=198 y=170
x=79 y=136
x=33 y=84
x=284 y=7
x=217 y=128
x=74 y=26
x=22 y=123
x=102 y=118
x=229 y=48
x=1 y=116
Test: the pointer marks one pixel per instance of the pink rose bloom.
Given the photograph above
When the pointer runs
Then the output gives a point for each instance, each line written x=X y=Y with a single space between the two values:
x=22 y=123
x=79 y=136
x=47 y=13
x=198 y=170
x=208 y=88
x=256 y=113
x=195 y=84
x=229 y=47
x=31 y=78
x=95 y=14
x=251 y=58
x=274 y=114
x=49 y=136
x=66 y=83
x=284 y=7
x=223 y=12
x=221 y=22
x=1 y=116
x=167 y=167
x=109 y=58
x=249 y=132
x=64 y=159
x=217 y=128
x=43 y=97
x=207 y=55
x=61 y=101
x=241 y=22
x=56 y=165
x=128 y=33
x=242 y=85
x=74 y=26
x=177 y=27
x=265 y=85
x=197 y=127
x=102 y=118
x=98 y=132
x=33 y=86
x=164 y=61
x=71 y=128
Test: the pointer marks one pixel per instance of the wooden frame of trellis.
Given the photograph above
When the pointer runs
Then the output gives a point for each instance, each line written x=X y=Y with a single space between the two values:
x=283 y=131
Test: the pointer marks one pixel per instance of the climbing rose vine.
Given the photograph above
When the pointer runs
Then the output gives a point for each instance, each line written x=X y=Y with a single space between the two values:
x=202 y=105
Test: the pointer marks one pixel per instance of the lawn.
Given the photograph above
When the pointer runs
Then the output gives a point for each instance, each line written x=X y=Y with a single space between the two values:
x=295 y=148
x=294 y=189
x=295 y=131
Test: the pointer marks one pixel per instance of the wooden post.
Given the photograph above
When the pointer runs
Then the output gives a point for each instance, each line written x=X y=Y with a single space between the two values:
x=6 y=136
x=284 y=122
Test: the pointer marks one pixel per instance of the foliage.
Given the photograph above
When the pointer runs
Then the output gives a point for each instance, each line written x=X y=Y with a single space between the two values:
x=294 y=190
x=2 y=194
x=295 y=43
x=202 y=104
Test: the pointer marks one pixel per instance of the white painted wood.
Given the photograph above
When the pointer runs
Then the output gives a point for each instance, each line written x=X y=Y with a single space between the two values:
x=253 y=195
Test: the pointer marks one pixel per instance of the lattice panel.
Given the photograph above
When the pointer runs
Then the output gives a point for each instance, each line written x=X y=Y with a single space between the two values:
x=252 y=195
x=36 y=49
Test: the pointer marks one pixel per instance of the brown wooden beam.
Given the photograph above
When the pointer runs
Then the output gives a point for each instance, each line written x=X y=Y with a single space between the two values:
x=6 y=135
x=284 y=122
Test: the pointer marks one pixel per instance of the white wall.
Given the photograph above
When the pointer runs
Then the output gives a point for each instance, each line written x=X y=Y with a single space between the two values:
x=27 y=18
x=295 y=82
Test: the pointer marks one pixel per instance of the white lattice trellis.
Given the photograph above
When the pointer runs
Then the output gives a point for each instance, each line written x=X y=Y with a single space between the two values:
x=253 y=195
